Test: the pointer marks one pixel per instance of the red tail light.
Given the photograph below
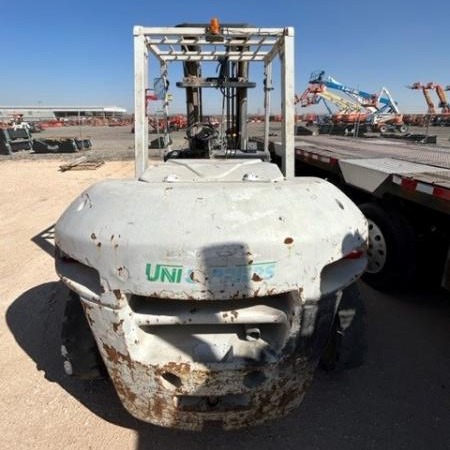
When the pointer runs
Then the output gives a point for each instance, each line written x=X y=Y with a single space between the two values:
x=355 y=254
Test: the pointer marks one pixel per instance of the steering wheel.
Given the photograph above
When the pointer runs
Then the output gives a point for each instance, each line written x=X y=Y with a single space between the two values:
x=201 y=131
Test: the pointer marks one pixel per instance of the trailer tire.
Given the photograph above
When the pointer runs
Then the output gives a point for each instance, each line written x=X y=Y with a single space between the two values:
x=392 y=253
x=347 y=345
x=78 y=347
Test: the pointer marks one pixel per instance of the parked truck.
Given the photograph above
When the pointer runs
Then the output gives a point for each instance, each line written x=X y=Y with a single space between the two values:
x=213 y=282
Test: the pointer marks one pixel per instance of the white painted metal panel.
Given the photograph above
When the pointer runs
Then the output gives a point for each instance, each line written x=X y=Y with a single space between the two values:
x=369 y=174
x=287 y=103
x=140 y=118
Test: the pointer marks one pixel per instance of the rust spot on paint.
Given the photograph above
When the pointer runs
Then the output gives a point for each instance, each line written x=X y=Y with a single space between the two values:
x=256 y=277
x=116 y=357
x=112 y=237
x=179 y=369
x=117 y=326
x=122 y=273
x=123 y=390
x=117 y=293
x=158 y=407
x=93 y=236
x=288 y=240
x=99 y=245
x=282 y=390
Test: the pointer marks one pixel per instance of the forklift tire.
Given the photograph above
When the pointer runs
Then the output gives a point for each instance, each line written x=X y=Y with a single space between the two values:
x=392 y=253
x=78 y=347
x=347 y=345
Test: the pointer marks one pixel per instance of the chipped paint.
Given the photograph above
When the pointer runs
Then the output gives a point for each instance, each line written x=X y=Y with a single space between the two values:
x=122 y=273
x=117 y=326
x=164 y=406
x=256 y=277
x=173 y=390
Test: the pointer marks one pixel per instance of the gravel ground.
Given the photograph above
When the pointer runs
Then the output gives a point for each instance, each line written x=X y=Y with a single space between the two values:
x=117 y=143
x=108 y=143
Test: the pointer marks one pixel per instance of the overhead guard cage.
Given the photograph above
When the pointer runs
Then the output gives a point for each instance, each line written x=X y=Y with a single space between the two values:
x=169 y=44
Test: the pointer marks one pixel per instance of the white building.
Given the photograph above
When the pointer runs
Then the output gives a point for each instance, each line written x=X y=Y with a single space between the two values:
x=35 y=113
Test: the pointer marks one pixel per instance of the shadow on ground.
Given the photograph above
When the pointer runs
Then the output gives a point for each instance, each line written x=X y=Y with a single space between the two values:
x=45 y=240
x=398 y=399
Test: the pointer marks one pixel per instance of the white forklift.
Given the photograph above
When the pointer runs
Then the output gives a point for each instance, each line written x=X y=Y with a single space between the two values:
x=213 y=283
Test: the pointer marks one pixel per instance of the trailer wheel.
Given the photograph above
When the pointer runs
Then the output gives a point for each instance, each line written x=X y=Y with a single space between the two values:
x=392 y=252
x=78 y=347
x=347 y=345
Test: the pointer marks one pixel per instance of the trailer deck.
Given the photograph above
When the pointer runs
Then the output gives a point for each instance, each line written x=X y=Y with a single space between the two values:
x=416 y=172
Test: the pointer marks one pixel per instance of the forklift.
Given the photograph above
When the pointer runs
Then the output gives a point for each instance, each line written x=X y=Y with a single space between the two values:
x=210 y=286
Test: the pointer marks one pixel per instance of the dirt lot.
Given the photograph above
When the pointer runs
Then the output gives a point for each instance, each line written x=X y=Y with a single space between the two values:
x=117 y=143
x=400 y=399
x=108 y=143
x=37 y=411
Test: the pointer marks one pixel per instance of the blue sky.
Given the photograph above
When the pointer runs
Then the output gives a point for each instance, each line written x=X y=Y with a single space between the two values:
x=81 y=52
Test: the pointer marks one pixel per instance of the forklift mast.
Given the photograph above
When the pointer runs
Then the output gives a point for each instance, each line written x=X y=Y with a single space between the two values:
x=232 y=81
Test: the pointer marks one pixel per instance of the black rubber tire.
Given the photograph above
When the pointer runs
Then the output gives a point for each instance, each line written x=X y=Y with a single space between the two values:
x=347 y=345
x=400 y=264
x=78 y=347
x=352 y=328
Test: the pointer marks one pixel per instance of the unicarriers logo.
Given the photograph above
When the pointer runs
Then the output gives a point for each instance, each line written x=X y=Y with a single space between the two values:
x=242 y=273
x=165 y=273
